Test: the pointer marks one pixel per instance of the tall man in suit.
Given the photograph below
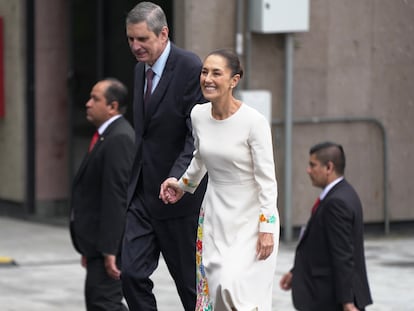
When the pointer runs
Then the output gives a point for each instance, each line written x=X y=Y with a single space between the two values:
x=99 y=195
x=329 y=271
x=165 y=146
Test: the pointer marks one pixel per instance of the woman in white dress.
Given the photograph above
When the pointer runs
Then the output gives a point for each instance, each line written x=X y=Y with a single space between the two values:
x=238 y=233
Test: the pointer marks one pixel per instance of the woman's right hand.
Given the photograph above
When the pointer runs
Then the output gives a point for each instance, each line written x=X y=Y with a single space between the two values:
x=170 y=191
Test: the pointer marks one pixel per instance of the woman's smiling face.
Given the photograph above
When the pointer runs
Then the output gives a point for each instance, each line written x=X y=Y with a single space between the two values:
x=216 y=78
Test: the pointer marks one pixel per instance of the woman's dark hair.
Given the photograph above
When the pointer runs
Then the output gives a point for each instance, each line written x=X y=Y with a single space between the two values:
x=232 y=59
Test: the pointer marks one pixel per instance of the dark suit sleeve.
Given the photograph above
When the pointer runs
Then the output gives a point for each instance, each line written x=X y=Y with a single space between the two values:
x=192 y=96
x=339 y=226
x=119 y=154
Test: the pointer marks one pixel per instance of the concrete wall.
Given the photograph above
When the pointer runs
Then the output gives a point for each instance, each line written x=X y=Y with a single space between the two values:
x=357 y=61
x=12 y=126
x=203 y=26
x=52 y=105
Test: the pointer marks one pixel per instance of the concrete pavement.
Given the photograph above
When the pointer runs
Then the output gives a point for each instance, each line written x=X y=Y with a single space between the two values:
x=48 y=275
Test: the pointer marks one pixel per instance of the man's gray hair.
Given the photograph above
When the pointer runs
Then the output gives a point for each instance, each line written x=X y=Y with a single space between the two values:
x=150 y=13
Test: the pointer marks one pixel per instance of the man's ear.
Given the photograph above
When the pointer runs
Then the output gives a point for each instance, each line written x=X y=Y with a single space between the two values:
x=330 y=166
x=114 y=107
x=164 y=33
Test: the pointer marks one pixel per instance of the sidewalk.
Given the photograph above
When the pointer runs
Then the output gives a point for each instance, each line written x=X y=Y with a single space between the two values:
x=48 y=275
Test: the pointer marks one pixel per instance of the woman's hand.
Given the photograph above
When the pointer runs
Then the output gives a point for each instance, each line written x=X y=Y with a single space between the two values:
x=170 y=192
x=265 y=245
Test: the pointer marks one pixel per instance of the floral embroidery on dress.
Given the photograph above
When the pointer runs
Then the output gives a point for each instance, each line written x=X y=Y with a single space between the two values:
x=270 y=219
x=188 y=183
x=203 y=299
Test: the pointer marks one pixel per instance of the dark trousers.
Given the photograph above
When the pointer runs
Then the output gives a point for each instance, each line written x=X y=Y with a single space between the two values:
x=102 y=293
x=144 y=239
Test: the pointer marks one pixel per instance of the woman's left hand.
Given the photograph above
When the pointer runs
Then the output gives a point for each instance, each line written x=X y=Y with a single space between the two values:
x=265 y=245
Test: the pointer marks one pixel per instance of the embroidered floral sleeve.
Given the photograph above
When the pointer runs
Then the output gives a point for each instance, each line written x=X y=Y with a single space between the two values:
x=267 y=222
x=187 y=185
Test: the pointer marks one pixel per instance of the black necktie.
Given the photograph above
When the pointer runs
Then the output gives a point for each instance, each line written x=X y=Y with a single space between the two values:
x=149 y=75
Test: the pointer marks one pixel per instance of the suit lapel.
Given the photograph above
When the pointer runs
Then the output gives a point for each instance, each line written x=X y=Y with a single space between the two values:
x=162 y=86
x=139 y=97
x=89 y=155
x=319 y=209
x=311 y=220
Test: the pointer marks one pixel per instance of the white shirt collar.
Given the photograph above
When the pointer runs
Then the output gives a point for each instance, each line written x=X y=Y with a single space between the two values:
x=159 y=65
x=105 y=125
x=329 y=187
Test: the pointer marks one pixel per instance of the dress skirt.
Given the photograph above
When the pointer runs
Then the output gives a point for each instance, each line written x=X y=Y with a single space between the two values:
x=228 y=272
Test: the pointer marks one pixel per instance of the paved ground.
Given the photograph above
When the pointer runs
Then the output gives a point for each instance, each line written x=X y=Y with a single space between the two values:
x=48 y=276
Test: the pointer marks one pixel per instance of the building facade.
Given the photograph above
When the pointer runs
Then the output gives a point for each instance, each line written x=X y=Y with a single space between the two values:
x=353 y=74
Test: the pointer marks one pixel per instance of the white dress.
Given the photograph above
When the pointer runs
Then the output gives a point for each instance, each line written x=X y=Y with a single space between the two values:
x=240 y=201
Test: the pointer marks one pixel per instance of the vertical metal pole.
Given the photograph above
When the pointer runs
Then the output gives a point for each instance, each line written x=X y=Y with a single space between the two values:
x=288 y=136
x=30 y=110
x=385 y=184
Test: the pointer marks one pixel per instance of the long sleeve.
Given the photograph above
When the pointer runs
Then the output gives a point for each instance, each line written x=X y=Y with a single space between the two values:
x=260 y=141
x=119 y=154
x=195 y=171
x=338 y=219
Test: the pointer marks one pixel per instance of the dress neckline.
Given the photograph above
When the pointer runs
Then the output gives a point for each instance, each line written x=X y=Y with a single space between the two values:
x=228 y=118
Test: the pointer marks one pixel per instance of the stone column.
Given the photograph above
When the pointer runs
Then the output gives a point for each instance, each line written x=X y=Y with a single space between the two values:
x=52 y=106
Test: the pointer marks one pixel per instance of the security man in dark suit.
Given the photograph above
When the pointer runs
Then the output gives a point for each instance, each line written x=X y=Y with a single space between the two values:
x=166 y=88
x=329 y=271
x=99 y=195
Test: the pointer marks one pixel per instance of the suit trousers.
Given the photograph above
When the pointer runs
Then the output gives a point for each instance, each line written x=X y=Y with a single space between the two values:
x=102 y=293
x=145 y=238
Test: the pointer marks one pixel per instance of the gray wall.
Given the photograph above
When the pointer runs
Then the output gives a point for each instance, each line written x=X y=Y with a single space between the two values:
x=12 y=126
x=51 y=113
x=52 y=104
x=357 y=61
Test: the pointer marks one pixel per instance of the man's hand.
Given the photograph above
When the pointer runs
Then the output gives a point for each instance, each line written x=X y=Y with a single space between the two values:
x=83 y=261
x=286 y=281
x=110 y=266
x=349 y=307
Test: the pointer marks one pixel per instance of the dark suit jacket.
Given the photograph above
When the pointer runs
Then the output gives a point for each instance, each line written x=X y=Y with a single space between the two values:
x=329 y=264
x=99 y=192
x=164 y=134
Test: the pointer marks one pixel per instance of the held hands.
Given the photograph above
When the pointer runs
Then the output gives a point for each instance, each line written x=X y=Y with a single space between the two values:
x=170 y=191
x=264 y=246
